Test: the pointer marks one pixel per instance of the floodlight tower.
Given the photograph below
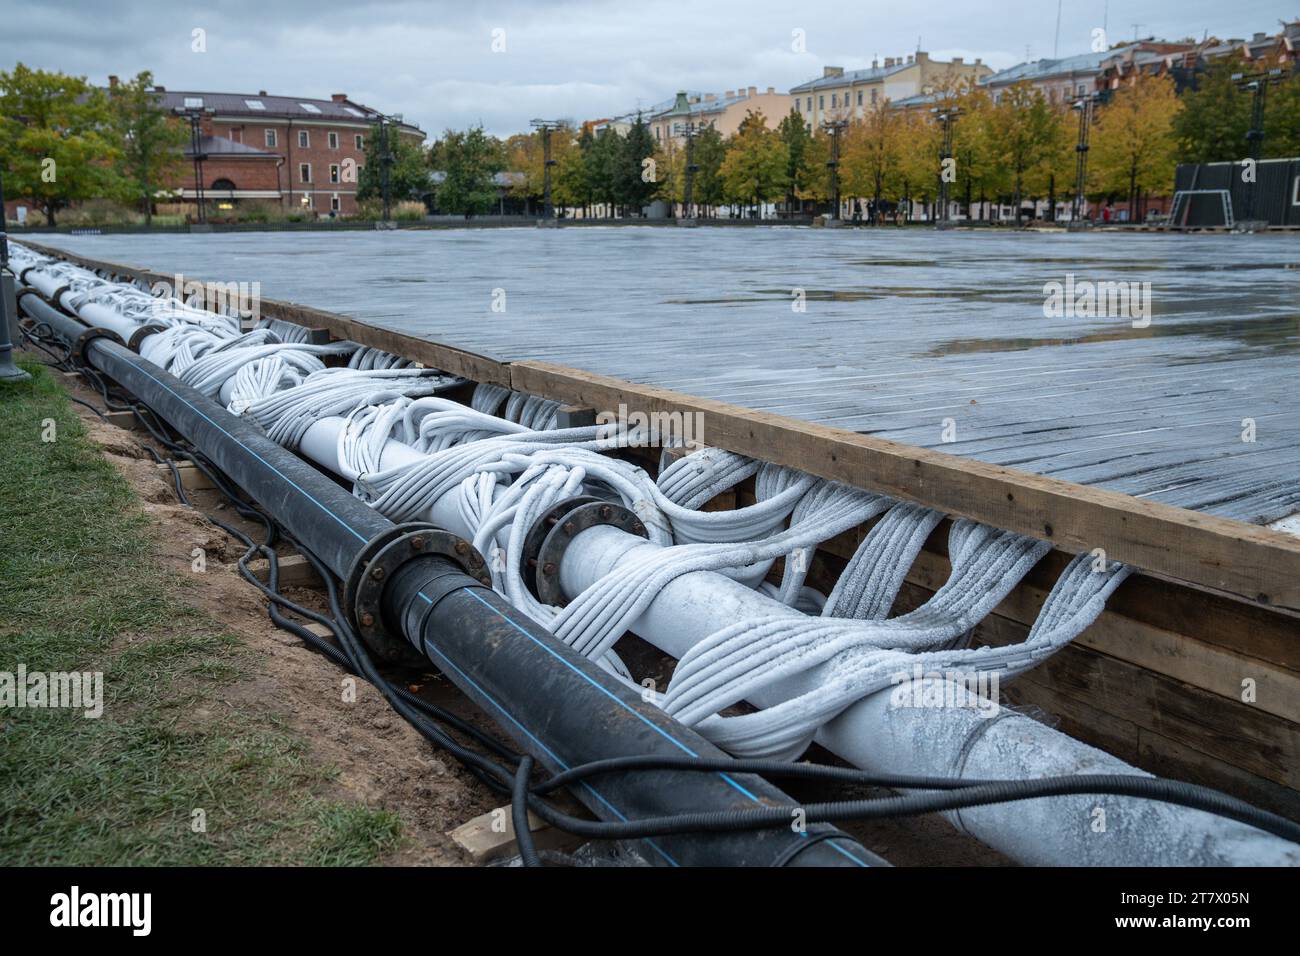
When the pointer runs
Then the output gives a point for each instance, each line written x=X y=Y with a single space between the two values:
x=835 y=128
x=548 y=212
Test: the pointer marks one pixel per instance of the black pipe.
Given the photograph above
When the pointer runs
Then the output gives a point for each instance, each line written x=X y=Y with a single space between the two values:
x=531 y=682
x=561 y=707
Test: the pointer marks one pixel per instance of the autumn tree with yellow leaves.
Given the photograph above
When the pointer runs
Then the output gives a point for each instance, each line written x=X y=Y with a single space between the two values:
x=1133 y=142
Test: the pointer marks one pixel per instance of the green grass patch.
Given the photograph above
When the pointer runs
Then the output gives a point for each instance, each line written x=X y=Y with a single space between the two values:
x=170 y=774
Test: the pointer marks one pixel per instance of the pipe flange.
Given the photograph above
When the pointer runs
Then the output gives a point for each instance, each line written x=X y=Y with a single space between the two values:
x=56 y=300
x=80 y=346
x=529 y=558
x=572 y=523
x=142 y=333
x=375 y=565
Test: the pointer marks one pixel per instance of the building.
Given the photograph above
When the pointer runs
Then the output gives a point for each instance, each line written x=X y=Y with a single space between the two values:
x=837 y=95
x=300 y=152
x=1263 y=51
x=1066 y=78
x=724 y=113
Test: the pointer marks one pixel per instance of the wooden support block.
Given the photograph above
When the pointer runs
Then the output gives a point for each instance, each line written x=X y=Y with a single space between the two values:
x=491 y=836
x=192 y=479
x=295 y=572
x=575 y=416
x=125 y=420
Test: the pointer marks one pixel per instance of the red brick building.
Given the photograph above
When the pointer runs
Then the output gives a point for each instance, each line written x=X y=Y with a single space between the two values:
x=300 y=152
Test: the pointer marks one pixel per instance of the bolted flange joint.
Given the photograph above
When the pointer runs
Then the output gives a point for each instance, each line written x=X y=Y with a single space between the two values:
x=551 y=534
x=381 y=558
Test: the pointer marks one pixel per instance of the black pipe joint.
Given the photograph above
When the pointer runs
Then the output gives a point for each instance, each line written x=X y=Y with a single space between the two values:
x=552 y=533
x=378 y=562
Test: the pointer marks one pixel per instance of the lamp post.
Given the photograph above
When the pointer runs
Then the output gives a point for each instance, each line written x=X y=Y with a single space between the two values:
x=1256 y=84
x=545 y=126
x=194 y=114
x=687 y=131
x=835 y=128
x=947 y=117
x=1083 y=105
x=9 y=372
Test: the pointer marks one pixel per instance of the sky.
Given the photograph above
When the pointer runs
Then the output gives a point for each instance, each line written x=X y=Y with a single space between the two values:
x=452 y=65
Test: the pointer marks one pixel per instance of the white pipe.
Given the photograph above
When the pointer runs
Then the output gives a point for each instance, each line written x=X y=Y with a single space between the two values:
x=948 y=741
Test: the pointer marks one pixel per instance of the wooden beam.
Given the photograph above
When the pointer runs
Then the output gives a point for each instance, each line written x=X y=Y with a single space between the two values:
x=1220 y=553
x=294 y=571
x=191 y=478
x=491 y=836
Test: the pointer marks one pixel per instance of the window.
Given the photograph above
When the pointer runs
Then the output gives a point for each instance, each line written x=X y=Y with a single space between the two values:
x=255 y=104
x=310 y=107
x=270 y=137
x=304 y=140
x=809 y=101
x=354 y=111
x=361 y=141
x=859 y=97
x=874 y=93
x=194 y=102
x=821 y=102
x=304 y=172
x=334 y=202
x=333 y=140
x=834 y=101
x=334 y=172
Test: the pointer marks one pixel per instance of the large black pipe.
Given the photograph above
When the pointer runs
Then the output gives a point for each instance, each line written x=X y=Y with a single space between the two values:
x=559 y=706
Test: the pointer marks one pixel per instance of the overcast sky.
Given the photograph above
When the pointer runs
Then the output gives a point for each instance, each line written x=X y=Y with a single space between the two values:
x=434 y=62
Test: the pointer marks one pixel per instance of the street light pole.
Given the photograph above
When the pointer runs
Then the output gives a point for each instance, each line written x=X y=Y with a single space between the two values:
x=1256 y=83
x=9 y=372
x=195 y=116
x=1084 y=107
x=947 y=117
x=688 y=131
x=545 y=126
x=835 y=127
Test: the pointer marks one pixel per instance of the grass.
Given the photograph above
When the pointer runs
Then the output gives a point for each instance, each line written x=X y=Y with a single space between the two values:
x=149 y=782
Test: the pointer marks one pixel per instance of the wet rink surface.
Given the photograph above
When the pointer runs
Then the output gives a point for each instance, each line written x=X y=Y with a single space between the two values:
x=936 y=339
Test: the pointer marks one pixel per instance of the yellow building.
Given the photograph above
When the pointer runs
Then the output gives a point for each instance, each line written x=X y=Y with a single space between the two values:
x=837 y=95
x=724 y=113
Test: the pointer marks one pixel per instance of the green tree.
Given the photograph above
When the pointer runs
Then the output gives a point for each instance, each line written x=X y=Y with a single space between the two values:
x=636 y=182
x=754 y=170
x=151 y=140
x=709 y=153
x=798 y=141
x=55 y=140
x=469 y=160
x=602 y=161
x=1215 y=118
x=408 y=173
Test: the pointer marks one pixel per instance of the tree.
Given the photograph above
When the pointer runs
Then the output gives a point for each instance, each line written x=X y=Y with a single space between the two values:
x=1215 y=118
x=55 y=139
x=798 y=140
x=710 y=152
x=920 y=139
x=974 y=147
x=469 y=160
x=871 y=154
x=1023 y=126
x=408 y=175
x=754 y=170
x=601 y=161
x=1133 y=140
x=152 y=141
x=635 y=182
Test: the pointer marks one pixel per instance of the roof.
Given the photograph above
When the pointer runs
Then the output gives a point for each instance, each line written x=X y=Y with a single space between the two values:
x=228 y=148
x=851 y=76
x=1047 y=68
x=280 y=107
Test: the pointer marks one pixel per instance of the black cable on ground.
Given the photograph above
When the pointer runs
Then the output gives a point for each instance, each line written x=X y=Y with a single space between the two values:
x=519 y=814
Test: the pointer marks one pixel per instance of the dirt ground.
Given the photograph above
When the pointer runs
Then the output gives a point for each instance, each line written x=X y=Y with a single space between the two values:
x=380 y=760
